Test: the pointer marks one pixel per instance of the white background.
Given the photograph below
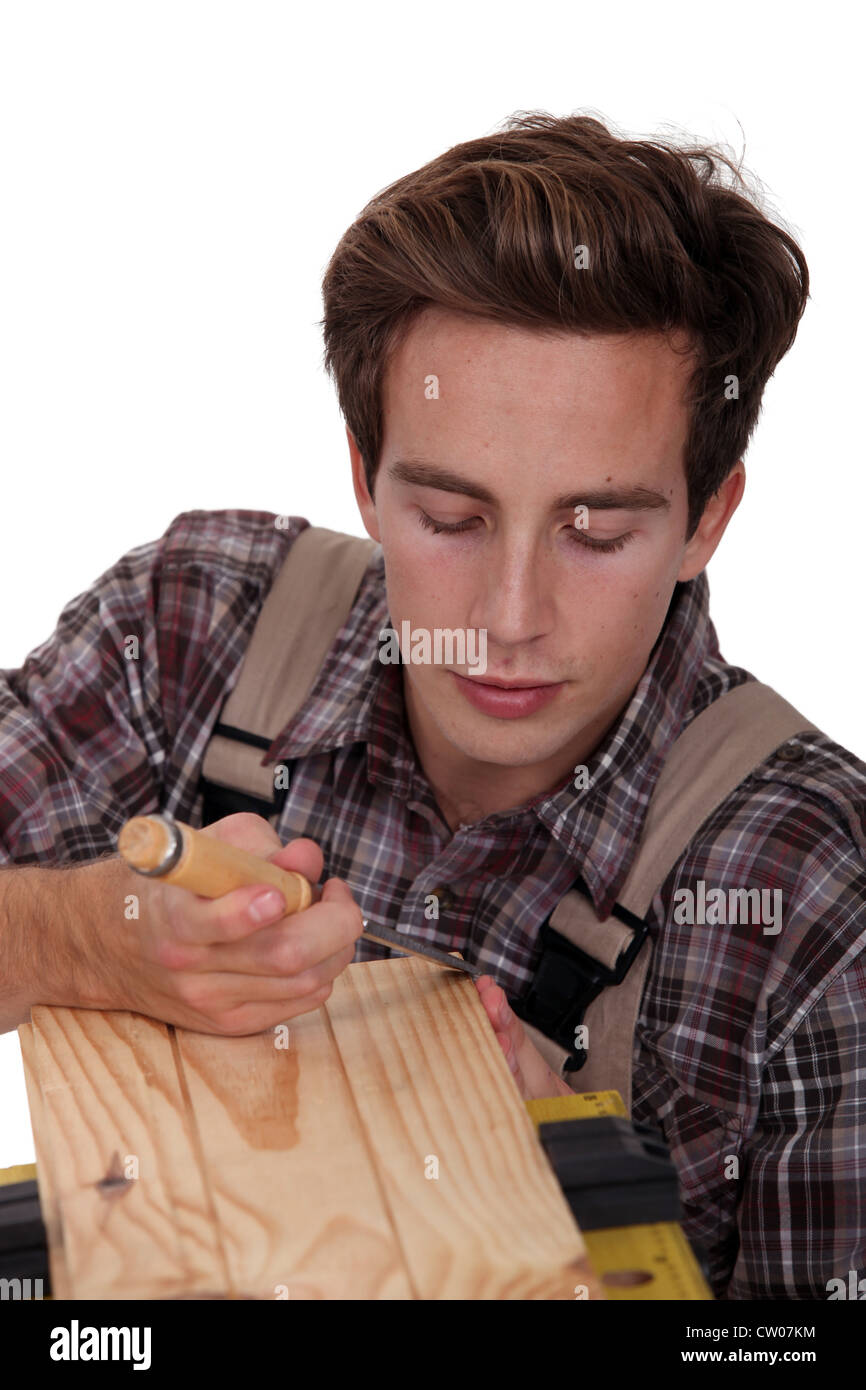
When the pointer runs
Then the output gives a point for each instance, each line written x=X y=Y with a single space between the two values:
x=174 y=177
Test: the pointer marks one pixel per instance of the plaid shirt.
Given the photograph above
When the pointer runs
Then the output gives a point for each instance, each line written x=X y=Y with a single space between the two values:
x=749 y=1046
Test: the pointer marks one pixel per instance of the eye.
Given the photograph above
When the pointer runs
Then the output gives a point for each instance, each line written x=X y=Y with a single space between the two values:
x=606 y=547
x=579 y=537
x=443 y=527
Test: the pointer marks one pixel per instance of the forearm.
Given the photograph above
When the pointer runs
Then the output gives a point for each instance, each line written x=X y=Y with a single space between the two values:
x=50 y=920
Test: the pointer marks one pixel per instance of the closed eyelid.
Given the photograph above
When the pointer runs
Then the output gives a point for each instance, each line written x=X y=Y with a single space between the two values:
x=599 y=544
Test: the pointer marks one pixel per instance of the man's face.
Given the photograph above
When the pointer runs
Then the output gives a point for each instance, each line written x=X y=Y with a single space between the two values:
x=526 y=427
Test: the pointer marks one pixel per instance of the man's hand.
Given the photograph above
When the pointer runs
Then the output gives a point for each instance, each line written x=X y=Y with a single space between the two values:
x=232 y=965
x=534 y=1077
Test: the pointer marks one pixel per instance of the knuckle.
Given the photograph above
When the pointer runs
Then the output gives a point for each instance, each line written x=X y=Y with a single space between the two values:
x=172 y=954
x=231 y=1023
x=313 y=980
x=226 y=920
x=289 y=956
x=323 y=979
x=309 y=985
x=351 y=921
x=170 y=910
x=304 y=1004
x=178 y=918
x=195 y=994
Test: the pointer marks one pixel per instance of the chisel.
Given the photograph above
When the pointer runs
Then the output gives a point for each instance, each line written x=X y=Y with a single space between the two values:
x=160 y=847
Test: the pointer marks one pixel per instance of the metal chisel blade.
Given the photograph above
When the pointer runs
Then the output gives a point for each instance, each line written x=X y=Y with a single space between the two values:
x=399 y=941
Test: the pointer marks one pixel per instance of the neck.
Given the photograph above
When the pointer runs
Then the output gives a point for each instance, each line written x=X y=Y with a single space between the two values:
x=467 y=789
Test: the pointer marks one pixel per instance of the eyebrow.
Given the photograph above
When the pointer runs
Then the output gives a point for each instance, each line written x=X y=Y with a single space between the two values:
x=424 y=474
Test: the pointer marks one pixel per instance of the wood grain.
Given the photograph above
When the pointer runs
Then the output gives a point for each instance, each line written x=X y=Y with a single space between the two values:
x=295 y=1195
x=430 y=1082
x=110 y=1092
x=305 y=1172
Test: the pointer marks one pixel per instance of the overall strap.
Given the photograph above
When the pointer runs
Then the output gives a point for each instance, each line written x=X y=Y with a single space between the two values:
x=306 y=607
x=710 y=758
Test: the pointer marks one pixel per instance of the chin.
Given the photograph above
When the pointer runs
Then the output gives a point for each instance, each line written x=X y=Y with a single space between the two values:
x=502 y=743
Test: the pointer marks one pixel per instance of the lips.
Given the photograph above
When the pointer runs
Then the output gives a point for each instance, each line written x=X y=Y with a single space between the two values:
x=511 y=701
x=515 y=685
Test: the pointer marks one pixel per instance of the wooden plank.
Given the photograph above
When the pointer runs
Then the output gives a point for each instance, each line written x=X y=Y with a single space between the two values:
x=233 y=1137
x=109 y=1091
x=431 y=1083
x=303 y=1172
x=294 y=1188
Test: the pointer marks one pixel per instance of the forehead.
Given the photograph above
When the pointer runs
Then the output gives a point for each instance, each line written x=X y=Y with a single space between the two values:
x=606 y=396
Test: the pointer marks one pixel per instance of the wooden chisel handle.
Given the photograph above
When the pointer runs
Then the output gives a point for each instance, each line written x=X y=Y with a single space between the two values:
x=168 y=849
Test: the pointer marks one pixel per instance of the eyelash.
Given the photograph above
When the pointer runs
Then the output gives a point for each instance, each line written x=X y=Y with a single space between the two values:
x=605 y=547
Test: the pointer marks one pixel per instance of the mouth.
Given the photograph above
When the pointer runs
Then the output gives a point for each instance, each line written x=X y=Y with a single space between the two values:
x=507 y=699
x=514 y=685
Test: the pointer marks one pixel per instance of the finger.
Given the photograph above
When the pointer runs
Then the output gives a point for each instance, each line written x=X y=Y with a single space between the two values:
x=197 y=921
x=223 y=933
x=262 y=1018
x=325 y=929
x=508 y=1051
x=217 y=1016
x=502 y=1016
x=515 y=1066
x=303 y=856
x=290 y=947
x=217 y=991
x=486 y=990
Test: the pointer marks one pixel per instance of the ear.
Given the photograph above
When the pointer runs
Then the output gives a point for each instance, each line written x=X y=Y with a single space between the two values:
x=366 y=505
x=712 y=525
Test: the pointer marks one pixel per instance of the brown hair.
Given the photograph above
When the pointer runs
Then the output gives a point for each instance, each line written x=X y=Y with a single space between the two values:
x=491 y=226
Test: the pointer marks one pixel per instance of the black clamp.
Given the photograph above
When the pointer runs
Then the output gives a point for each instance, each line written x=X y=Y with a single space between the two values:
x=613 y=1172
x=567 y=980
x=23 y=1244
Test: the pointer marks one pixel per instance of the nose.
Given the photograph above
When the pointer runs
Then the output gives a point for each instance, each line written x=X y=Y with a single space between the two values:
x=518 y=592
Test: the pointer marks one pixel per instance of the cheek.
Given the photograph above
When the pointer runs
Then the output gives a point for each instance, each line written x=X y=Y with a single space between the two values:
x=641 y=614
x=622 y=608
x=402 y=570
x=421 y=585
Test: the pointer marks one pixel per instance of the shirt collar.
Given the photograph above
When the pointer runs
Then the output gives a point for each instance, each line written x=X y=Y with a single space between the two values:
x=356 y=698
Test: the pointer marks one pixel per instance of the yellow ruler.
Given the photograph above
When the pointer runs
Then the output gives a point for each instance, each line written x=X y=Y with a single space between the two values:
x=632 y=1262
x=22 y=1172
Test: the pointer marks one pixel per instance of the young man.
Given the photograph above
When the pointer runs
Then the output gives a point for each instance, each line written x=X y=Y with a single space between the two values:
x=550 y=347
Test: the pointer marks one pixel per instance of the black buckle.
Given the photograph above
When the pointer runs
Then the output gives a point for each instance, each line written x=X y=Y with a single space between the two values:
x=566 y=982
x=219 y=801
